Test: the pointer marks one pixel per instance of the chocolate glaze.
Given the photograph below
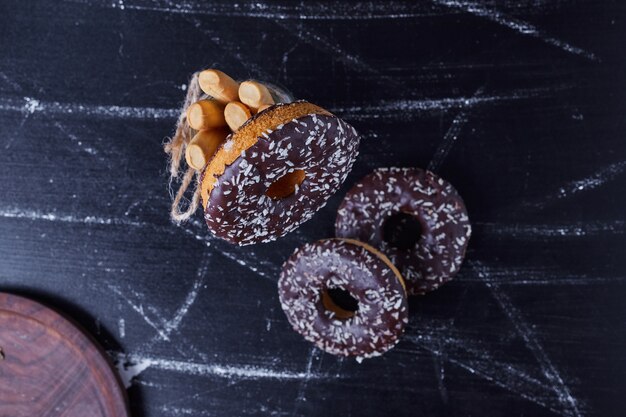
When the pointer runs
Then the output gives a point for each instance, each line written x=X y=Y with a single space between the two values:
x=238 y=210
x=336 y=263
x=445 y=227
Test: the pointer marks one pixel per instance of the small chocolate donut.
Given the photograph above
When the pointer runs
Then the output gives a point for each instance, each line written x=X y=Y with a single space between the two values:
x=275 y=172
x=345 y=297
x=415 y=218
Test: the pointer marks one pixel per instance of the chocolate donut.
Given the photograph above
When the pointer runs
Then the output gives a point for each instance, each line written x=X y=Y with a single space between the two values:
x=415 y=218
x=345 y=297
x=275 y=172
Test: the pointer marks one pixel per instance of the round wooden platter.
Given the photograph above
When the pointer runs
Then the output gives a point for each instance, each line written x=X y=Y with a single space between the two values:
x=49 y=367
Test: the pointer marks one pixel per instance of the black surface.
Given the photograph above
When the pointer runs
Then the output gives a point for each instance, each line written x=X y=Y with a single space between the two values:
x=520 y=104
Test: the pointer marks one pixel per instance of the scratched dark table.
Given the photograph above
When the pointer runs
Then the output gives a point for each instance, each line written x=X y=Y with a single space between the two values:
x=520 y=104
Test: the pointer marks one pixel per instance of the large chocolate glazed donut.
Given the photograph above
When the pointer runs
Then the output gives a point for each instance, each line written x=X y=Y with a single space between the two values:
x=345 y=297
x=276 y=171
x=414 y=217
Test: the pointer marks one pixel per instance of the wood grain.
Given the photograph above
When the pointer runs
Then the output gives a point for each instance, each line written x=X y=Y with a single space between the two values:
x=49 y=367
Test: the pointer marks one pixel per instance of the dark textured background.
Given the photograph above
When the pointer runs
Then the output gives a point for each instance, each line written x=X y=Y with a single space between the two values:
x=520 y=104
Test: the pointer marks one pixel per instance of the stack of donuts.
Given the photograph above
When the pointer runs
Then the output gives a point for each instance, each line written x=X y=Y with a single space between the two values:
x=400 y=232
x=265 y=164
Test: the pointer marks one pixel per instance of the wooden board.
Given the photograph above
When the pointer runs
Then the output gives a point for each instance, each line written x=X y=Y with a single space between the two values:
x=49 y=367
x=520 y=104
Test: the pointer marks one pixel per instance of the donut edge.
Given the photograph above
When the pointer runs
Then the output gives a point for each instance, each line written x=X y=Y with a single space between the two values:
x=380 y=255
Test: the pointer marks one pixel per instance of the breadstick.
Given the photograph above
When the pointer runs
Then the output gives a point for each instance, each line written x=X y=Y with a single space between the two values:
x=236 y=114
x=205 y=114
x=263 y=107
x=203 y=145
x=254 y=94
x=218 y=85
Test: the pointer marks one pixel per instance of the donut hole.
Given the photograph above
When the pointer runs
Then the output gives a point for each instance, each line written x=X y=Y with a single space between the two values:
x=285 y=185
x=340 y=302
x=402 y=231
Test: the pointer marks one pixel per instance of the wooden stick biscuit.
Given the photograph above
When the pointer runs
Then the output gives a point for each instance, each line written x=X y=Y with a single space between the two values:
x=206 y=114
x=203 y=145
x=236 y=114
x=254 y=94
x=218 y=85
